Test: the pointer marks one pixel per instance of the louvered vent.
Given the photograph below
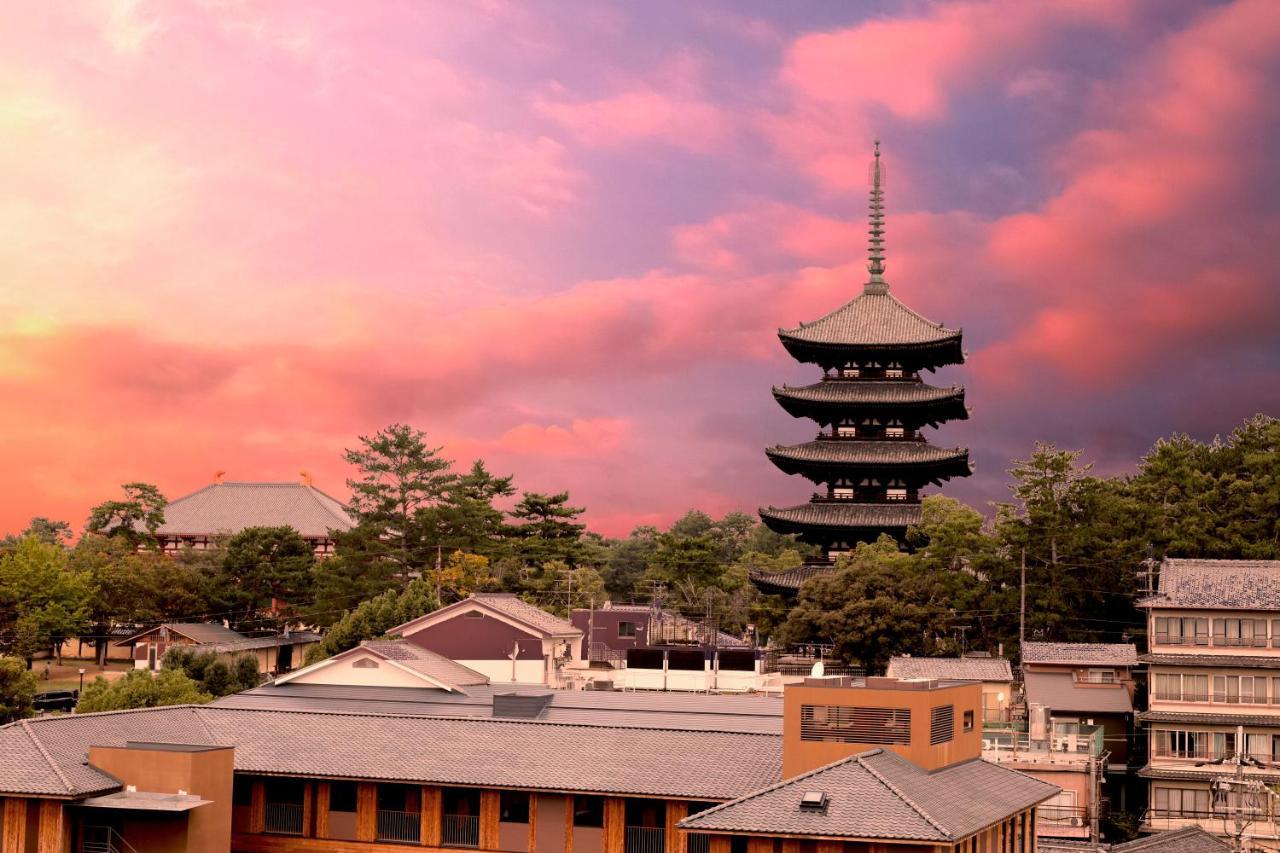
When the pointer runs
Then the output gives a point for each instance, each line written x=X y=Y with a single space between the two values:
x=942 y=724
x=842 y=724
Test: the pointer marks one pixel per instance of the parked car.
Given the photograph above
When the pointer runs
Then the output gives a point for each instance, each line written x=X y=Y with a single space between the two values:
x=56 y=700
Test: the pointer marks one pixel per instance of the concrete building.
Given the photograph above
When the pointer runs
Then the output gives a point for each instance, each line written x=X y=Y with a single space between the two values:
x=993 y=673
x=1213 y=716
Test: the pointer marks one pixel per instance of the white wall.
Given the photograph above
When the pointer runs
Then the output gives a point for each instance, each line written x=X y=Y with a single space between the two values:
x=500 y=671
x=342 y=672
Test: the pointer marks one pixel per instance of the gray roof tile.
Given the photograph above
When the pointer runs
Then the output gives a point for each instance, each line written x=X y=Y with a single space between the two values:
x=1113 y=654
x=505 y=603
x=1059 y=691
x=953 y=669
x=426 y=662
x=1255 y=661
x=231 y=507
x=847 y=514
x=869 y=391
x=1212 y=584
x=879 y=794
x=869 y=452
x=871 y=319
x=1191 y=839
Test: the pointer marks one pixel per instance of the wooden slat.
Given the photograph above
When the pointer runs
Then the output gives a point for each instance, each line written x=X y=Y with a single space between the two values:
x=308 y=799
x=533 y=822
x=830 y=847
x=366 y=811
x=720 y=844
x=322 y=810
x=568 y=824
x=759 y=845
x=52 y=836
x=258 y=806
x=615 y=824
x=489 y=813
x=432 y=805
x=246 y=843
x=677 y=810
x=14 y=839
x=790 y=845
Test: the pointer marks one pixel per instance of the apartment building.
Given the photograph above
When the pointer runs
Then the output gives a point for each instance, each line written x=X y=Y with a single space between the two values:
x=1213 y=714
x=857 y=768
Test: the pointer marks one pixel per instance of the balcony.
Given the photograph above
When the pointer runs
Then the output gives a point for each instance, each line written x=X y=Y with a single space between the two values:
x=645 y=839
x=457 y=830
x=1070 y=746
x=283 y=818
x=402 y=827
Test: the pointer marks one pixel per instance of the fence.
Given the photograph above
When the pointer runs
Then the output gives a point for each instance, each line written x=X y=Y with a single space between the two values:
x=697 y=843
x=399 y=826
x=458 y=830
x=645 y=839
x=283 y=818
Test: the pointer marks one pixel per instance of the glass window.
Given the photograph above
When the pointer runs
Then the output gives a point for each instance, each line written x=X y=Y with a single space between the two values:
x=513 y=806
x=626 y=629
x=968 y=721
x=588 y=811
x=242 y=791
x=342 y=796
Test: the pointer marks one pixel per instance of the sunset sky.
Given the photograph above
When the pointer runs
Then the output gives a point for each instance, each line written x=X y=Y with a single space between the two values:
x=561 y=236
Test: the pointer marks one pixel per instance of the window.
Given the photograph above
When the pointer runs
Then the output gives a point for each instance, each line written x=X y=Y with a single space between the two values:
x=1275 y=633
x=968 y=721
x=626 y=629
x=1176 y=687
x=842 y=724
x=513 y=806
x=942 y=724
x=1239 y=632
x=342 y=797
x=473 y=614
x=1179 y=631
x=1182 y=802
x=242 y=791
x=1182 y=744
x=1224 y=743
x=846 y=429
x=588 y=811
x=364 y=663
x=1101 y=676
x=1239 y=689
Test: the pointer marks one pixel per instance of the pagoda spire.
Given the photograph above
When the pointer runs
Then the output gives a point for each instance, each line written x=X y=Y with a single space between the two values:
x=876 y=284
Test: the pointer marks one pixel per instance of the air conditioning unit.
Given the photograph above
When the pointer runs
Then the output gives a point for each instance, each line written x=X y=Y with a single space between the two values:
x=1077 y=821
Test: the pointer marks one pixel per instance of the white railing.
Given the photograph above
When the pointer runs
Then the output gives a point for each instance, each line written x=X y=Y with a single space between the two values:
x=458 y=830
x=104 y=839
x=645 y=839
x=399 y=826
x=283 y=818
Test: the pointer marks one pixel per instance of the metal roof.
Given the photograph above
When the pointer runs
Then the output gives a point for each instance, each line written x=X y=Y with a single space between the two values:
x=230 y=507
x=879 y=794
x=1217 y=584
x=954 y=669
x=47 y=755
x=1113 y=654
x=1059 y=691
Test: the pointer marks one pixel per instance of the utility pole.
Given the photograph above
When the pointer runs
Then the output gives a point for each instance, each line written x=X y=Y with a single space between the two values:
x=1022 y=606
x=439 y=570
x=1238 y=840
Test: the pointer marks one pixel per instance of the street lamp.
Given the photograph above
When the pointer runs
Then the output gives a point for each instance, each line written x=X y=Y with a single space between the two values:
x=81 y=679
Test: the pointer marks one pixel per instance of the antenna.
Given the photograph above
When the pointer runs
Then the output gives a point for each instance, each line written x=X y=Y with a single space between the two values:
x=876 y=177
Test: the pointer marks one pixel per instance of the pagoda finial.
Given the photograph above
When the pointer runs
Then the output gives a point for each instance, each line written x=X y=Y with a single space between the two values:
x=877 y=284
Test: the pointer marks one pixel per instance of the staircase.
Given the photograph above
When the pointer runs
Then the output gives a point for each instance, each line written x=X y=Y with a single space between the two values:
x=104 y=839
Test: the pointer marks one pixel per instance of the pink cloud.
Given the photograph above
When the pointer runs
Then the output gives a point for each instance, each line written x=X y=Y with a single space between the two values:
x=585 y=437
x=637 y=114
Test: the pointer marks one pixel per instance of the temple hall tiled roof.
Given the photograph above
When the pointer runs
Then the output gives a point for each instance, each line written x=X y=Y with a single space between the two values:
x=1112 y=654
x=879 y=794
x=886 y=392
x=231 y=507
x=847 y=514
x=896 y=452
x=951 y=669
x=1213 y=584
x=790 y=579
x=47 y=755
x=871 y=319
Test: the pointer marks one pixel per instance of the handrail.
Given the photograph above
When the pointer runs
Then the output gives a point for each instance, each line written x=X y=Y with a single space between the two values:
x=108 y=842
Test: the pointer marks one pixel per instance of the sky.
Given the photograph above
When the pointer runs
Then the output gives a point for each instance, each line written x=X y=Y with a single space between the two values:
x=560 y=237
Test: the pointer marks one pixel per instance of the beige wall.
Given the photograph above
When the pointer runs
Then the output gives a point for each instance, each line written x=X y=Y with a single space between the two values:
x=382 y=674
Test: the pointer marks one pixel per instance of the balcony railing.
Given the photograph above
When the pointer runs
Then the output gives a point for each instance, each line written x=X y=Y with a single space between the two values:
x=1060 y=817
x=399 y=826
x=645 y=839
x=1065 y=740
x=283 y=818
x=697 y=843
x=458 y=830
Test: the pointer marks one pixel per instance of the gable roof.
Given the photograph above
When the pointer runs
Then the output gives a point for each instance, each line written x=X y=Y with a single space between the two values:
x=46 y=756
x=880 y=794
x=198 y=632
x=951 y=669
x=1191 y=839
x=230 y=507
x=503 y=605
x=433 y=669
x=1110 y=654
x=1212 y=584
x=1059 y=691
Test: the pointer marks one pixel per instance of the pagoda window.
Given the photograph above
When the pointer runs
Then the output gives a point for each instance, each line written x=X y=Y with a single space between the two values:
x=850 y=371
x=895 y=429
x=897 y=491
x=846 y=428
x=842 y=489
x=894 y=370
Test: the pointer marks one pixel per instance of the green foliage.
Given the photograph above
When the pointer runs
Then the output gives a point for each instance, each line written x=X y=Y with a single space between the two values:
x=549 y=530
x=262 y=567
x=211 y=674
x=627 y=561
x=17 y=689
x=138 y=688
x=375 y=617
x=46 y=530
x=136 y=517
x=465 y=518
x=42 y=600
x=135 y=586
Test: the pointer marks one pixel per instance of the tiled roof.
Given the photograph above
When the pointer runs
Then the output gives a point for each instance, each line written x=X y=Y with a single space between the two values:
x=954 y=669
x=1111 y=654
x=1190 y=773
x=879 y=794
x=1256 y=661
x=790 y=579
x=612 y=708
x=1220 y=718
x=422 y=750
x=1191 y=839
x=865 y=452
x=1213 y=584
x=871 y=319
x=427 y=662
x=504 y=603
x=844 y=514
x=870 y=392
x=248 y=644
x=1059 y=691
x=198 y=632
x=231 y=507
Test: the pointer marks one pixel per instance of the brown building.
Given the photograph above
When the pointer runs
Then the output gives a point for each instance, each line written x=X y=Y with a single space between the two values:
x=265 y=776
x=274 y=654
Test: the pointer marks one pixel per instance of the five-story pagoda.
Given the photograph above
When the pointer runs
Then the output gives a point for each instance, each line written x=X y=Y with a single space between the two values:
x=869 y=457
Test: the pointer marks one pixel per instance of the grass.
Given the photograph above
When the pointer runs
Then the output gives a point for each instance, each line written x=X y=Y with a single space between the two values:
x=67 y=676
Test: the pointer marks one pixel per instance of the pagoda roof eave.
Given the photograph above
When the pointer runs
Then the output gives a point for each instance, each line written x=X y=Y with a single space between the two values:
x=841 y=518
x=872 y=393
x=928 y=356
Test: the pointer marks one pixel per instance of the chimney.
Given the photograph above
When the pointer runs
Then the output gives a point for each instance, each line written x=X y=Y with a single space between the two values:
x=306 y=478
x=218 y=477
